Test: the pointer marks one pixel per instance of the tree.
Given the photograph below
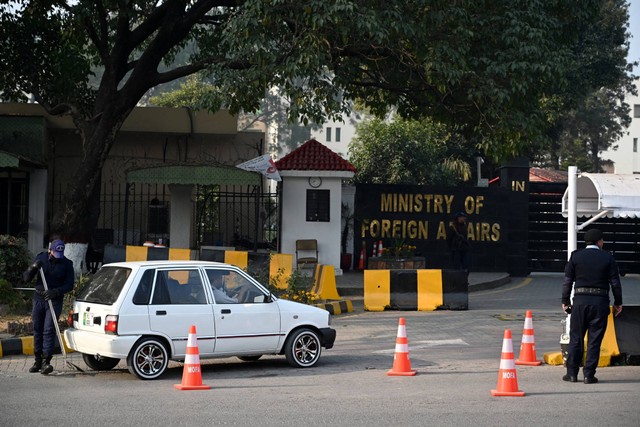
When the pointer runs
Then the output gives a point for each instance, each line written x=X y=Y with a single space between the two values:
x=409 y=152
x=591 y=114
x=482 y=64
x=593 y=127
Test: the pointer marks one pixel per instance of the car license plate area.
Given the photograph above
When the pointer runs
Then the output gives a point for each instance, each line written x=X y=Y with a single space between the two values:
x=87 y=319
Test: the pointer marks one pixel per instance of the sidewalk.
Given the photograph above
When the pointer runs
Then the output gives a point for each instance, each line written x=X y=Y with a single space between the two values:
x=351 y=283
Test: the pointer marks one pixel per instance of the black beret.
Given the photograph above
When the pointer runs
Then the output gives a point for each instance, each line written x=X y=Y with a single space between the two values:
x=592 y=236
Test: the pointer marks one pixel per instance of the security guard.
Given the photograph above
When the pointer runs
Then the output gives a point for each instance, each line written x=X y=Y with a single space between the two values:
x=593 y=271
x=58 y=271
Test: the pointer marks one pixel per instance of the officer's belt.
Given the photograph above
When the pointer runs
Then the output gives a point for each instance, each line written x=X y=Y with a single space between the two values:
x=591 y=291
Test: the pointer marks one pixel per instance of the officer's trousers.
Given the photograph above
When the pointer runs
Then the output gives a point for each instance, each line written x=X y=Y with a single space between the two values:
x=590 y=318
x=44 y=331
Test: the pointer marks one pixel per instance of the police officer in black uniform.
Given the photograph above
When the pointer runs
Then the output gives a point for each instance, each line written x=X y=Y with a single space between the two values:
x=590 y=272
x=58 y=272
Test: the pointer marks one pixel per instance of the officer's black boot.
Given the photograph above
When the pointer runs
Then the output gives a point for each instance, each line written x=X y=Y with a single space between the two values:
x=46 y=367
x=37 y=364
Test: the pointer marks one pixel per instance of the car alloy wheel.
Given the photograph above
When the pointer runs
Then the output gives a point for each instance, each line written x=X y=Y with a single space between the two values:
x=303 y=348
x=148 y=359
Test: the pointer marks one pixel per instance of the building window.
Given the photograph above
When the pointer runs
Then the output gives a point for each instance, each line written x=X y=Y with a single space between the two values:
x=635 y=145
x=337 y=134
x=636 y=110
x=328 y=133
x=318 y=205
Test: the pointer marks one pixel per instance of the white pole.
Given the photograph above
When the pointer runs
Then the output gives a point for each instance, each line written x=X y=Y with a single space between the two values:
x=572 y=211
x=572 y=232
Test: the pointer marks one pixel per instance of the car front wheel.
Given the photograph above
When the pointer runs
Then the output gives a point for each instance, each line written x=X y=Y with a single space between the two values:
x=302 y=348
x=99 y=363
x=148 y=359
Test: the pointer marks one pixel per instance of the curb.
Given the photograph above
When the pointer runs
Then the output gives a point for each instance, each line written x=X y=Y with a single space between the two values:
x=24 y=346
x=337 y=307
x=491 y=284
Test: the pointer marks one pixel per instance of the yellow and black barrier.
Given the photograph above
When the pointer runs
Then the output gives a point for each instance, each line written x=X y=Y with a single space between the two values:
x=24 y=346
x=117 y=253
x=280 y=265
x=324 y=285
x=422 y=290
x=621 y=340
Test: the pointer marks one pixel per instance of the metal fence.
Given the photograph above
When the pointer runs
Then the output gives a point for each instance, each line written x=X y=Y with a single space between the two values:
x=133 y=213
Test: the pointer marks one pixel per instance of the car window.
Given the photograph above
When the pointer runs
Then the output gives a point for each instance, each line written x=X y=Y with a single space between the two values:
x=143 y=292
x=178 y=287
x=105 y=286
x=230 y=287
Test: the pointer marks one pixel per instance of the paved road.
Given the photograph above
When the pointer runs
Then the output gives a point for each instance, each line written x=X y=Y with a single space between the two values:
x=456 y=355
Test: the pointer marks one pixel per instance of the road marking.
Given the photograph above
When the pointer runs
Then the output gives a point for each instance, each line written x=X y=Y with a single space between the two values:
x=427 y=344
x=522 y=284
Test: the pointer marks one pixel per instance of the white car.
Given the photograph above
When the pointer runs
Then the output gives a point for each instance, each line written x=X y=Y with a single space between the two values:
x=142 y=312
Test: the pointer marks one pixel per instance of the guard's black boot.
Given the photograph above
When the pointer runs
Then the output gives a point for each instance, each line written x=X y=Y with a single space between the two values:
x=37 y=364
x=46 y=367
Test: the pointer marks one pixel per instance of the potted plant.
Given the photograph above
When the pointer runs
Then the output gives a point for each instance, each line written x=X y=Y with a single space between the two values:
x=345 y=257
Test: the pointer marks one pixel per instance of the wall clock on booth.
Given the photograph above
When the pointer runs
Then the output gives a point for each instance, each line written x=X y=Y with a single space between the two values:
x=315 y=181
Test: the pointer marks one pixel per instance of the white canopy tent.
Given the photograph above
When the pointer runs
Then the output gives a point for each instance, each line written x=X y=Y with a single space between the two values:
x=598 y=195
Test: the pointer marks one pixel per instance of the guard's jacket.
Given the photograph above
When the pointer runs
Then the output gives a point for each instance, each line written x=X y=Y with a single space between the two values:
x=57 y=271
x=590 y=270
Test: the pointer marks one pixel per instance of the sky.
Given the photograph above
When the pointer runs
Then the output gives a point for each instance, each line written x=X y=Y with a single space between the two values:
x=634 y=29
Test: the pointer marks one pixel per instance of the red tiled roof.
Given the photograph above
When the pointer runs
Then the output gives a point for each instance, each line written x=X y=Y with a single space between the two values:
x=547 y=175
x=312 y=155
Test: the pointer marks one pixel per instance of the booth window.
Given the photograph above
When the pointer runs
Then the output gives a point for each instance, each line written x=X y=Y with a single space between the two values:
x=318 y=205
x=158 y=217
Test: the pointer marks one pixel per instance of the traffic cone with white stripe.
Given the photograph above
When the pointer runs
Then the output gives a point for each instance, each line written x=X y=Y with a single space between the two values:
x=362 y=256
x=192 y=374
x=401 y=362
x=528 y=345
x=507 y=378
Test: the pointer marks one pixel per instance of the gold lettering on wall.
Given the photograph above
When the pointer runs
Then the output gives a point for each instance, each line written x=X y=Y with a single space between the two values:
x=518 y=185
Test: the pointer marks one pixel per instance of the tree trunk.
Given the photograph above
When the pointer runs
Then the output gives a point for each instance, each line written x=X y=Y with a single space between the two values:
x=78 y=217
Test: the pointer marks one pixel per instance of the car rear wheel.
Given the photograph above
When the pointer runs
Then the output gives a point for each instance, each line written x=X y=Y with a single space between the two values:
x=302 y=348
x=249 y=358
x=148 y=359
x=99 y=363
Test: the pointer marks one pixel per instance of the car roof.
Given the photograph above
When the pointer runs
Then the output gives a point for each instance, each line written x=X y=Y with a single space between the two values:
x=167 y=263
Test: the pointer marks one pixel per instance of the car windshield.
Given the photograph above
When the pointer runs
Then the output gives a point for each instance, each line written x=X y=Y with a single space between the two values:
x=105 y=286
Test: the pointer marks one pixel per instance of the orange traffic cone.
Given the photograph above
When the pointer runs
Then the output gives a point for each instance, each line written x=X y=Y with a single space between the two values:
x=192 y=375
x=362 y=255
x=528 y=345
x=507 y=378
x=380 y=248
x=401 y=362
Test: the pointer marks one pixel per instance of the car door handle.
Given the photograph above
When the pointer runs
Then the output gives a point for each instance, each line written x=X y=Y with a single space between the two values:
x=225 y=311
x=161 y=313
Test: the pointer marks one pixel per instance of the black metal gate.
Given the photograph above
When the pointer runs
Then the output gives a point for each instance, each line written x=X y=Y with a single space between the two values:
x=548 y=232
x=238 y=216
x=246 y=219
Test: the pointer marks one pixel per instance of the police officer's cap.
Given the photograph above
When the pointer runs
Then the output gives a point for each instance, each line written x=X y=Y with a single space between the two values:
x=592 y=236
x=461 y=214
